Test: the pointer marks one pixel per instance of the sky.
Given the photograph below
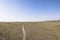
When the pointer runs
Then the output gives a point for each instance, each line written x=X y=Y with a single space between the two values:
x=29 y=10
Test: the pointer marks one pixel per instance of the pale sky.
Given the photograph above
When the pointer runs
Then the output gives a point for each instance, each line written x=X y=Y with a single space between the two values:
x=29 y=10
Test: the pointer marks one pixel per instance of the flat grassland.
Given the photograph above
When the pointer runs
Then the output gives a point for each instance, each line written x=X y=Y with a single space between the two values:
x=34 y=30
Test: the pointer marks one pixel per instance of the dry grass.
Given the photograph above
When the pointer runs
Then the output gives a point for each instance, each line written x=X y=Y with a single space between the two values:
x=34 y=30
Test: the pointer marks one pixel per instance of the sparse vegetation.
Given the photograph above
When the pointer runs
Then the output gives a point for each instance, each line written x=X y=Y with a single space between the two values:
x=34 y=30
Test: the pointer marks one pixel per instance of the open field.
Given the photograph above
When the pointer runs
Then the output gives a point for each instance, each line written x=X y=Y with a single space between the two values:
x=34 y=30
